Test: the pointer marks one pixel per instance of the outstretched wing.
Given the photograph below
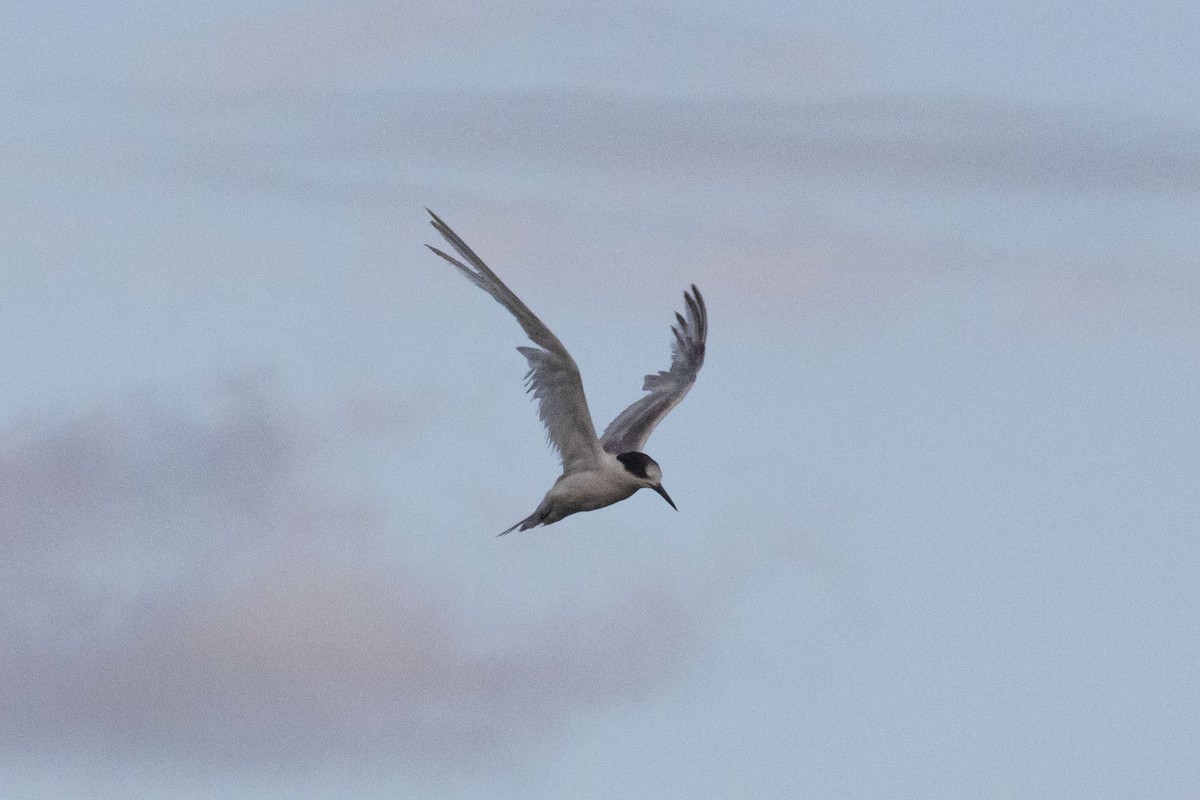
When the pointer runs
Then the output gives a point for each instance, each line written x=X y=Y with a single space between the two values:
x=633 y=426
x=553 y=376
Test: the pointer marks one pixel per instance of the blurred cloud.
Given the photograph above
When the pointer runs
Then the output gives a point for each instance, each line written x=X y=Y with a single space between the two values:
x=1030 y=195
x=368 y=142
x=180 y=581
x=633 y=46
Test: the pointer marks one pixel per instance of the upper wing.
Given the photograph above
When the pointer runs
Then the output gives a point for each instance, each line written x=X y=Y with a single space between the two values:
x=633 y=426
x=553 y=376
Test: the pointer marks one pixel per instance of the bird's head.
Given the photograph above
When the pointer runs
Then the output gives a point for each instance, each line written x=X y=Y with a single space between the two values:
x=647 y=472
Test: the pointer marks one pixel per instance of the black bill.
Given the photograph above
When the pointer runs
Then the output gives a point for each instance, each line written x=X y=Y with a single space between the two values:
x=664 y=494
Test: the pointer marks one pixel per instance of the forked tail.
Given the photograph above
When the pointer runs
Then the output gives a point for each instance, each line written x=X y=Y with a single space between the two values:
x=533 y=520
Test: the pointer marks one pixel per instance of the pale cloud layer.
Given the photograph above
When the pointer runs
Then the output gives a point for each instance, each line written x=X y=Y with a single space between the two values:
x=176 y=588
x=381 y=138
x=855 y=198
x=634 y=47
x=848 y=190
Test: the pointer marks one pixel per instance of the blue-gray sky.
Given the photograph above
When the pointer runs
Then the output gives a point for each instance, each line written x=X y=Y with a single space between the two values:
x=937 y=483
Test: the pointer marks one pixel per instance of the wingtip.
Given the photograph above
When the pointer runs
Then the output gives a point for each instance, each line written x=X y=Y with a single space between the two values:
x=694 y=300
x=696 y=306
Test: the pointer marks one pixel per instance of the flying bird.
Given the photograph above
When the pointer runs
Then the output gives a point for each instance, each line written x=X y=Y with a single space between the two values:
x=597 y=471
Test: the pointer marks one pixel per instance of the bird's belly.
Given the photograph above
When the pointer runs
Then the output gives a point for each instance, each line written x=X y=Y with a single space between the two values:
x=587 y=491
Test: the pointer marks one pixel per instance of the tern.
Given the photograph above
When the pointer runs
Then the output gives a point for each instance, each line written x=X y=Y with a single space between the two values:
x=597 y=471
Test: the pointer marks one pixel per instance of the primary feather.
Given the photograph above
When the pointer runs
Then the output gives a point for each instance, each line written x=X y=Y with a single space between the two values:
x=553 y=376
x=633 y=426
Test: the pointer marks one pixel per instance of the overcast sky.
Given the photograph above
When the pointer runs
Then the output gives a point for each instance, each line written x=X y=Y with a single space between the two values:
x=939 y=526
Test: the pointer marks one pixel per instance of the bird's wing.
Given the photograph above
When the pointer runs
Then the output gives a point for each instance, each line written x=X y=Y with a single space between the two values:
x=633 y=426
x=553 y=376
